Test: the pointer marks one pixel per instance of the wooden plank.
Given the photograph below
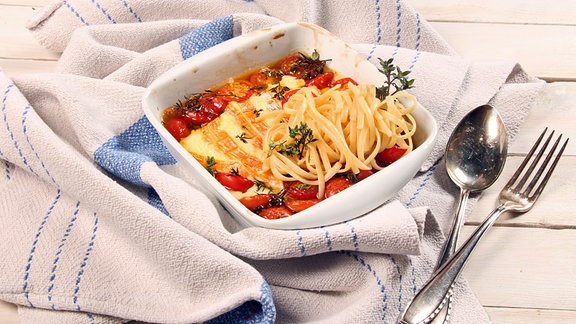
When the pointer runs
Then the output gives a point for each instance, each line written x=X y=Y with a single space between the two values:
x=16 y=40
x=8 y=313
x=524 y=268
x=530 y=45
x=552 y=12
x=29 y=3
x=14 y=67
x=555 y=108
x=523 y=316
x=545 y=51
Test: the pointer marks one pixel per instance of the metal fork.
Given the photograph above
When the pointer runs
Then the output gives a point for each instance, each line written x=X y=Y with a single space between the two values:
x=516 y=196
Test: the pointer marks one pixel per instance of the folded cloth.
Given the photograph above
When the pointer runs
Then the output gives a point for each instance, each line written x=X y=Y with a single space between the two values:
x=100 y=224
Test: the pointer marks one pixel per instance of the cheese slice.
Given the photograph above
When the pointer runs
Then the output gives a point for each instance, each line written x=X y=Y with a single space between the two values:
x=234 y=140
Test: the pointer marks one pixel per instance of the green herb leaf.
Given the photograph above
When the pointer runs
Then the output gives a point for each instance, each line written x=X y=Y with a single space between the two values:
x=210 y=163
x=396 y=79
x=301 y=136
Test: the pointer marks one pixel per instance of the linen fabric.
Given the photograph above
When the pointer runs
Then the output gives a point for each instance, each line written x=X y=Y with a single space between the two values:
x=100 y=224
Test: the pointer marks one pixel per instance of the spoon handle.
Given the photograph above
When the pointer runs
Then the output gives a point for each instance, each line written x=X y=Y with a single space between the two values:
x=429 y=300
x=450 y=248
x=453 y=235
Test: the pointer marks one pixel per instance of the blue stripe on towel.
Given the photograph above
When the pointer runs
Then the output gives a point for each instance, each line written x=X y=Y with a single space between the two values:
x=7 y=167
x=69 y=6
x=104 y=12
x=85 y=262
x=125 y=3
x=378 y=30
x=379 y=282
x=59 y=252
x=9 y=129
x=25 y=130
x=253 y=311
x=206 y=36
x=124 y=154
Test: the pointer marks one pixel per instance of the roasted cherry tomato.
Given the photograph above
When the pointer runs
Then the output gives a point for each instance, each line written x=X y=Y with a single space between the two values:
x=335 y=185
x=257 y=201
x=234 y=182
x=288 y=94
x=276 y=212
x=196 y=117
x=177 y=127
x=213 y=104
x=321 y=81
x=299 y=190
x=363 y=174
x=237 y=90
x=299 y=205
x=302 y=67
x=344 y=82
x=264 y=77
x=389 y=155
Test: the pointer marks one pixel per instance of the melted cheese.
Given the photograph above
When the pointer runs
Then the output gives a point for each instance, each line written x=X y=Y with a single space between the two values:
x=234 y=139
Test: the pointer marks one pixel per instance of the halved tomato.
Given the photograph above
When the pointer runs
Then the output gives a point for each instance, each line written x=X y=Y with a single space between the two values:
x=276 y=212
x=299 y=190
x=335 y=185
x=389 y=155
x=234 y=182
x=300 y=205
x=177 y=126
x=257 y=201
x=321 y=81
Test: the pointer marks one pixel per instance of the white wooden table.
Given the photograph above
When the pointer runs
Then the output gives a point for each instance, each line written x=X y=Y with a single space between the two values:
x=525 y=269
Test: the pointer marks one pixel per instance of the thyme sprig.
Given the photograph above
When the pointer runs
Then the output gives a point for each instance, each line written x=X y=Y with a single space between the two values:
x=396 y=79
x=210 y=163
x=301 y=135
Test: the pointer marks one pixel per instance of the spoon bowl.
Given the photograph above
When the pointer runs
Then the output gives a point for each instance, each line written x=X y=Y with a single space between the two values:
x=477 y=149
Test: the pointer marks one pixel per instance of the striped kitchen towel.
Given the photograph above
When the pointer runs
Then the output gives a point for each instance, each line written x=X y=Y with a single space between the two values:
x=100 y=224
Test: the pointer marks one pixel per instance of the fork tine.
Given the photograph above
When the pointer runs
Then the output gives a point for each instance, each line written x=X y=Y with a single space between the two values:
x=549 y=173
x=544 y=164
x=534 y=163
x=526 y=160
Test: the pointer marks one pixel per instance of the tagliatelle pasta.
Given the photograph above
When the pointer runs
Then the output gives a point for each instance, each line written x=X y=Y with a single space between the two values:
x=350 y=126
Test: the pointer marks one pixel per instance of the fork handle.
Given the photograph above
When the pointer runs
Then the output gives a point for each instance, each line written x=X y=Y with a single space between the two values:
x=430 y=299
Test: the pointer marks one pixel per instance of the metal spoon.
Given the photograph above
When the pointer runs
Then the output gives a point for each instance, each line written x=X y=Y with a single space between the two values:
x=475 y=155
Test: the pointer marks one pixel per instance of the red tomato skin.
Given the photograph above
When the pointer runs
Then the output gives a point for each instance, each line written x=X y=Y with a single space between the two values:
x=288 y=94
x=234 y=182
x=264 y=77
x=287 y=66
x=276 y=212
x=301 y=67
x=196 y=117
x=389 y=155
x=300 y=191
x=257 y=201
x=238 y=90
x=214 y=104
x=335 y=185
x=363 y=174
x=300 y=205
x=322 y=81
x=177 y=127
x=344 y=82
